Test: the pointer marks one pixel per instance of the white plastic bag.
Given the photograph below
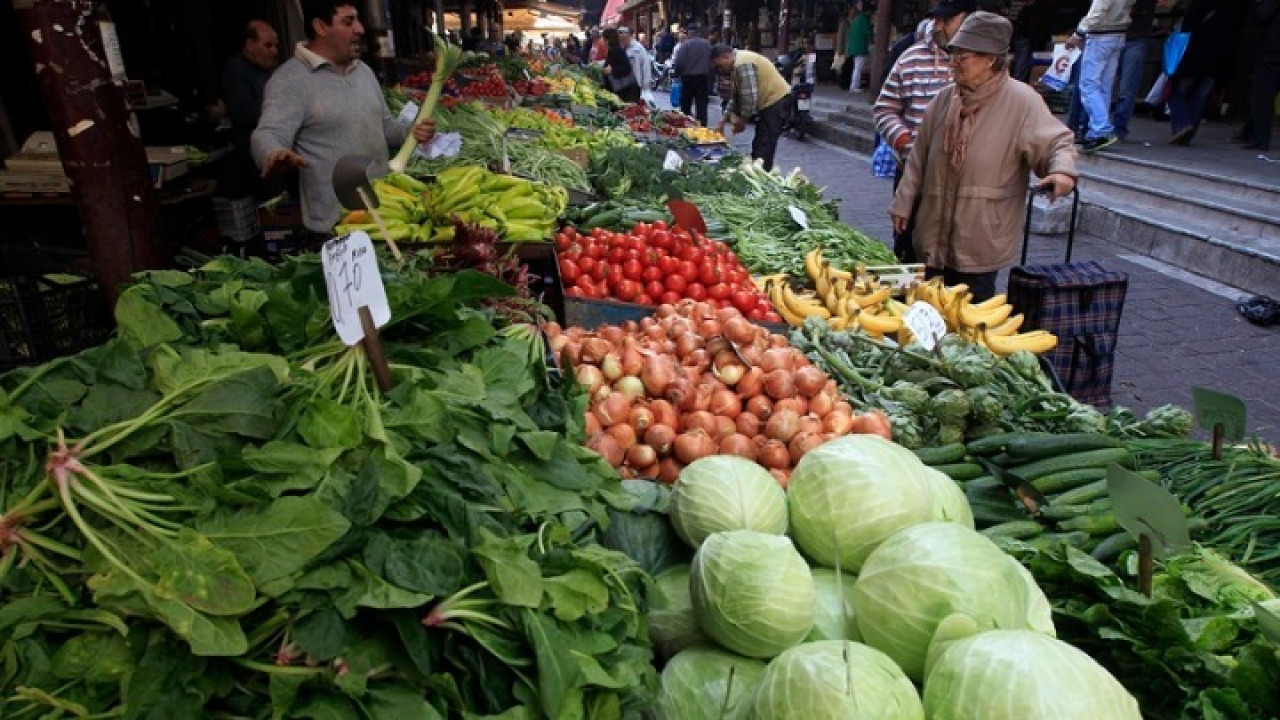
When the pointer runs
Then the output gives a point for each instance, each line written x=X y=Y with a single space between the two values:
x=648 y=97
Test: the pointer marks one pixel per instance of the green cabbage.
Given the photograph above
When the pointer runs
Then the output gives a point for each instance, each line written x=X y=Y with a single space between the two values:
x=726 y=492
x=1017 y=675
x=849 y=494
x=925 y=573
x=833 y=607
x=638 y=526
x=752 y=592
x=672 y=624
x=949 y=502
x=695 y=682
x=835 y=680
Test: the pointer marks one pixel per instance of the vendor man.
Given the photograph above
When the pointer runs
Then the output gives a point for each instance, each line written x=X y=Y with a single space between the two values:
x=759 y=93
x=323 y=104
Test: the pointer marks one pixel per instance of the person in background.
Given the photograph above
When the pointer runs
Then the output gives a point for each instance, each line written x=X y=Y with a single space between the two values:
x=759 y=92
x=979 y=140
x=573 y=50
x=244 y=82
x=666 y=46
x=857 y=43
x=618 y=70
x=641 y=62
x=1104 y=26
x=1266 y=77
x=599 y=47
x=1214 y=25
x=1031 y=33
x=693 y=67
x=1133 y=59
x=913 y=81
x=322 y=104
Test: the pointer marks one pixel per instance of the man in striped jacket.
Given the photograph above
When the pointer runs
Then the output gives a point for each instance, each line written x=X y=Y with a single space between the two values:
x=919 y=74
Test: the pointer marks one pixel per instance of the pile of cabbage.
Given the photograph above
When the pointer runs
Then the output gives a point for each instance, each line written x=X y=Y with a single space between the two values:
x=863 y=590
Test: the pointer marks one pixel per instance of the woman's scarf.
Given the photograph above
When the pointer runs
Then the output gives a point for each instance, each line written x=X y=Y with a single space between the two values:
x=967 y=104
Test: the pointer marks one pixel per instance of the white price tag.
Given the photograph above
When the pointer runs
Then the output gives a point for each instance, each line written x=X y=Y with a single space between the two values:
x=672 y=161
x=798 y=215
x=926 y=323
x=353 y=281
x=409 y=112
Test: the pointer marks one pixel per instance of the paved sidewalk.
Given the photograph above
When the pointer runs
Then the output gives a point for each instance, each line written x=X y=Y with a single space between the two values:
x=1177 y=331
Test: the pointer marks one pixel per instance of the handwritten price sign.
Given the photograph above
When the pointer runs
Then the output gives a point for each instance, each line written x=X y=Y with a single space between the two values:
x=1215 y=408
x=353 y=281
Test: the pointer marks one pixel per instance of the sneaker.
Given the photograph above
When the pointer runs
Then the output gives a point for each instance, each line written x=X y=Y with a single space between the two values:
x=1183 y=136
x=1097 y=144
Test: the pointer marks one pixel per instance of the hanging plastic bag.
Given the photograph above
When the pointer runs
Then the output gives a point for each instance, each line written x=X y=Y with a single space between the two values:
x=1159 y=93
x=675 y=93
x=883 y=162
x=1175 y=46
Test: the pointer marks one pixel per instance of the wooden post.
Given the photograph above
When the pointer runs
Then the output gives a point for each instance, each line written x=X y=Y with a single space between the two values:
x=883 y=27
x=784 y=27
x=99 y=146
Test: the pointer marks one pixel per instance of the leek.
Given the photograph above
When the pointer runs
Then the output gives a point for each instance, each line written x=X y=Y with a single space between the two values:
x=448 y=57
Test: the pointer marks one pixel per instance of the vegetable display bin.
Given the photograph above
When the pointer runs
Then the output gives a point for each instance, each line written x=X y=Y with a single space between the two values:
x=544 y=273
x=44 y=317
x=590 y=314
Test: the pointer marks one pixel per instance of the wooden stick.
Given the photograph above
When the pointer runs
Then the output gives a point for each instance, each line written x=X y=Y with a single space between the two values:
x=373 y=348
x=1219 y=433
x=1146 y=566
x=382 y=225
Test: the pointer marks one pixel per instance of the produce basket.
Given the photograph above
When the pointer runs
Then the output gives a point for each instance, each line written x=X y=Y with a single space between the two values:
x=591 y=313
x=544 y=273
x=43 y=317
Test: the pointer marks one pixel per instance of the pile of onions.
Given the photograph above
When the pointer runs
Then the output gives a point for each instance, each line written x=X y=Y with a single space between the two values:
x=692 y=381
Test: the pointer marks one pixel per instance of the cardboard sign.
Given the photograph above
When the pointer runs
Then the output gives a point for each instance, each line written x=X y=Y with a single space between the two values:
x=353 y=281
x=926 y=323
x=1144 y=508
x=1215 y=408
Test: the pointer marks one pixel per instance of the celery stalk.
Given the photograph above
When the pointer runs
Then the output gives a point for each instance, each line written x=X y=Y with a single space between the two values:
x=448 y=57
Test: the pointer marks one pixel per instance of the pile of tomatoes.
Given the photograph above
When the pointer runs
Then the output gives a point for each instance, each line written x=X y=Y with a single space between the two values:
x=534 y=87
x=656 y=264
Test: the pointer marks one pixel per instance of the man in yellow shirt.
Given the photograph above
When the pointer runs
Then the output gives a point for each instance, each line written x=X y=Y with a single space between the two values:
x=760 y=93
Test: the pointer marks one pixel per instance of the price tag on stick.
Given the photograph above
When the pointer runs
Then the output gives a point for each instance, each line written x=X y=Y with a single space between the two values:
x=1152 y=514
x=353 y=281
x=925 y=323
x=1221 y=414
x=799 y=216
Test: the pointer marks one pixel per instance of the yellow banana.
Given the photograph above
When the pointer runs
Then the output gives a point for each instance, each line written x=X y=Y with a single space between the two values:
x=1008 y=327
x=804 y=307
x=972 y=316
x=822 y=285
x=882 y=324
x=762 y=281
x=1036 y=341
x=839 y=274
x=951 y=310
x=949 y=294
x=813 y=263
x=991 y=303
x=872 y=298
x=774 y=289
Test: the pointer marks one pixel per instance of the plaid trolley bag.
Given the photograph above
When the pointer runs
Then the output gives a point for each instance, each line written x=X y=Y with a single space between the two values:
x=1081 y=304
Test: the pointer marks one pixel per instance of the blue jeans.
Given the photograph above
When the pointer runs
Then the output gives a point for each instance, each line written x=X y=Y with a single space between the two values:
x=1187 y=101
x=1100 y=61
x=1132 y=60
x=1077 y=120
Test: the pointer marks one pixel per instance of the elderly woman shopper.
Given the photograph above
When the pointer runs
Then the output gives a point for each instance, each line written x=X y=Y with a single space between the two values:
x=979 y=142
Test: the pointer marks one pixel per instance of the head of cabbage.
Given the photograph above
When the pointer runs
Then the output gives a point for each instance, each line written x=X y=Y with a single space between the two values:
x=833 y=607
x=672 y=624
x=752 y=592
x=949 y=502
x=835 y=679
x=922 y=574
x=1017 y=674
x=700 y=682
x=726 y=492
x=849 y=494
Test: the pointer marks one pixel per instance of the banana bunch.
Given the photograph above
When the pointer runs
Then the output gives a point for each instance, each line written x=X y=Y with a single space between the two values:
x=703 y=135
x=400 y=204
x=843 y=299
x=991 y=322
x=520 y=210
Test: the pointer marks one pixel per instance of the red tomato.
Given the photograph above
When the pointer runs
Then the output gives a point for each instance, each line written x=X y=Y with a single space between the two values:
x=595 y=250
x=692 y=254
x=755 y=314
x=586 y=264
x=689 y=271
x=660 y=225
x=763 y=305
x=569 y=271
x=634 y=253
x=563 y=242
x=668 y=266
x=576 y=291
x=772 y=317
x=719 y=291
x=676 y=283
x=669 y=297
x=651 y=273
x=599 y=271
x=645 y=299
x=744 y=300
x=661 y=239
x=709 y=274
x=696 y=291
x=654 y=288
x=632 y=269
x=617 y=255
x=627 y=290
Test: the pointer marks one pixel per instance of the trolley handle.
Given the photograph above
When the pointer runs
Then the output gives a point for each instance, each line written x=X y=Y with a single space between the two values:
x=1071 y=229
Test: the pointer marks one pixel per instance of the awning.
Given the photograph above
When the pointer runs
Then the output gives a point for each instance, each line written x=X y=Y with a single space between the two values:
x=612 y=13
x=538 y=17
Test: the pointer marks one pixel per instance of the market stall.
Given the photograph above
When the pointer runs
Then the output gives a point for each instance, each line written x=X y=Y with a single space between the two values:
x=593 y=454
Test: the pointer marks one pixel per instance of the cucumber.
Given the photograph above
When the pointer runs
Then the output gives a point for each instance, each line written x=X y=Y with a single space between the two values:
x=986 y=514
x=1018 y=529
x=1112 y=546
x=1036 y=447
x=1082 y=494
x=606 y=219
x=993 y=444
x=961 y=472
x=1073 y=461
x=1048 y=540
x=943 y=455
x=635 y=215
x=985 y=483
x=1061 y=482
x=1100 y=524
x=1062 y=512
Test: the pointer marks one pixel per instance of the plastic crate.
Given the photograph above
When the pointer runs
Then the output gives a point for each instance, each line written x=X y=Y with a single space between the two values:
x=43 y=318
x=237 y=219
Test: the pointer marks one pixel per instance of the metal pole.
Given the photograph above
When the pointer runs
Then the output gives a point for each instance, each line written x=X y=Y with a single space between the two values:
x=100 y=148
x=440 y=28
x=784 y=26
